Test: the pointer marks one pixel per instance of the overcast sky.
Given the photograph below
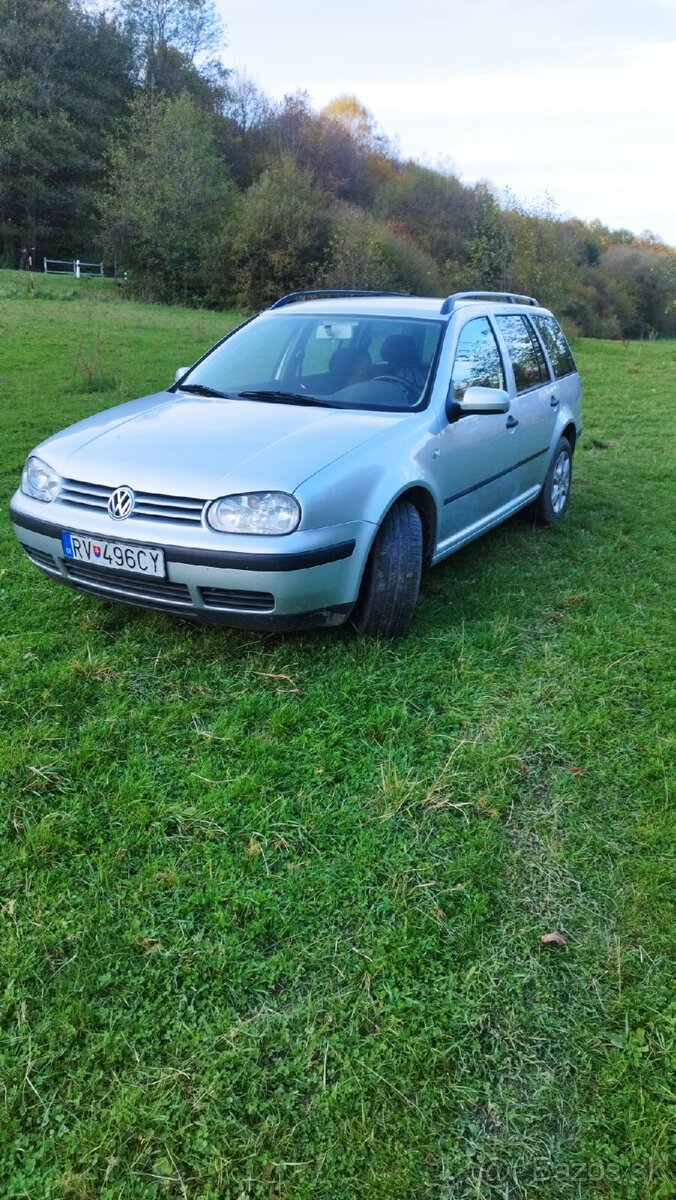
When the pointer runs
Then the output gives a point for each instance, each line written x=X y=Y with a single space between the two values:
x=574 y=99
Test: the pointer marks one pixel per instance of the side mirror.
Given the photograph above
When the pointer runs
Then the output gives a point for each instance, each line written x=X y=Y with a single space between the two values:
x=180 y=372
x=479 y=400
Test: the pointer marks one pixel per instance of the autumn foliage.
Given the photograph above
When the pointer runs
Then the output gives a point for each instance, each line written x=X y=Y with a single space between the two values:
x=201 y=189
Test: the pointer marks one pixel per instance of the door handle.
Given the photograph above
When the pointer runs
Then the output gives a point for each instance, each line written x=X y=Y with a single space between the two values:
x=554 y=401
x=511 y=422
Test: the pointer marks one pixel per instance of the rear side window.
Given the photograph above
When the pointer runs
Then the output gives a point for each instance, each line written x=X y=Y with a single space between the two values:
x=556 y=346
x=525 y=352
x=477 y=359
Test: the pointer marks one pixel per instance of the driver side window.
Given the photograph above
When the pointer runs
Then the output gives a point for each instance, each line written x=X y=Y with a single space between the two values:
x=477 y=359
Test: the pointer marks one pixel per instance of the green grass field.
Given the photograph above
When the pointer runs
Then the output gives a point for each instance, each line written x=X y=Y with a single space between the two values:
x=272 y=906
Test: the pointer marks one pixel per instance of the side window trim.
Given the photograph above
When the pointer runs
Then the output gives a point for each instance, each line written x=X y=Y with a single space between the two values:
x=549 y=319
x=535 y=332
x=510 y=377
x=504 y=343
x=487 y=317
x=543 y=358
x=504 y=355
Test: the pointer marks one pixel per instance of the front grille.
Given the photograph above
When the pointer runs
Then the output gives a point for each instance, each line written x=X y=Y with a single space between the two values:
x=148 y=591
x=123 y=586
x=149 y=506
x=41 y=559
x=229 y=598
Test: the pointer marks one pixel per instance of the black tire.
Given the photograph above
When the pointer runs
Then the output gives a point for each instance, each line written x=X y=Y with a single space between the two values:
x=551 y=504
x=391 y=582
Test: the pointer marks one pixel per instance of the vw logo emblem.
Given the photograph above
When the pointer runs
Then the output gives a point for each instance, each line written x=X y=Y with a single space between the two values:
x=121 y=503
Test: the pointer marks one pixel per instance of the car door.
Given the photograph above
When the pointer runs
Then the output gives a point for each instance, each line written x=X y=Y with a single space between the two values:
x=534 y=398
x=475 y=450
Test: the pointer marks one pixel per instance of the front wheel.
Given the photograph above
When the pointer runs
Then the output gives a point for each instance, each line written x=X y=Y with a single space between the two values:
x=391 y=582
x=552 y=502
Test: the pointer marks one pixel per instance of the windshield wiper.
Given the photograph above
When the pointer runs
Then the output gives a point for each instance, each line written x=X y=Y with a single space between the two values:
x=202 y=389
x=286 y=398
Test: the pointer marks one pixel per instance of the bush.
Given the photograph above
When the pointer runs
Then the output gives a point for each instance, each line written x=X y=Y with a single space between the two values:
x=168 y=194
x=276 y=241
x=367 y=253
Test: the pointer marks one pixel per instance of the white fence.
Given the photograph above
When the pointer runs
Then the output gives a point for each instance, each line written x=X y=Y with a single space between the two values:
x=71 y=266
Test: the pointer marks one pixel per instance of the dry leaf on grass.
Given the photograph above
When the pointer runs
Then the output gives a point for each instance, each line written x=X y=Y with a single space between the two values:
x=553 y=939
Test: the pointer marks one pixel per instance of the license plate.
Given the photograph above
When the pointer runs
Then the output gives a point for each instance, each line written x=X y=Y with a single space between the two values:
x=115 y=556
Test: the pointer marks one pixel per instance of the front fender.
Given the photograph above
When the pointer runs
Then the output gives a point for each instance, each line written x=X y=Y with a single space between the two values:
x=364 y=485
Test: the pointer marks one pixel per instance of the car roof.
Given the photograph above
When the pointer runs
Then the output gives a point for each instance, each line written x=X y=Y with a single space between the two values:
x=417 y=307
x=381 y=306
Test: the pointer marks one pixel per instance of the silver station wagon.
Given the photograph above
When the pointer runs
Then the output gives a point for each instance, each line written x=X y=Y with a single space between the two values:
x=308 y=468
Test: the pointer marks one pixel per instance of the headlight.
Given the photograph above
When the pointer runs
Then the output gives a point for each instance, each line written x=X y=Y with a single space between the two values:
x=39 y=480
x=255 y=512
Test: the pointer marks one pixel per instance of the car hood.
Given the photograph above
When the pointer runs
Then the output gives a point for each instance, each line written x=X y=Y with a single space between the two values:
x=208 y=447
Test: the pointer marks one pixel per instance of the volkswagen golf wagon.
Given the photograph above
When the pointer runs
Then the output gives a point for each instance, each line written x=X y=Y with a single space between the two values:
x=309 y=467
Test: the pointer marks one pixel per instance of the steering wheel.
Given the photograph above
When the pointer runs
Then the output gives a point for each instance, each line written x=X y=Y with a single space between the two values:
x=406 y=384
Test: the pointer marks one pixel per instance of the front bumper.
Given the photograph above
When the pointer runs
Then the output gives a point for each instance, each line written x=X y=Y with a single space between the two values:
x=311 y=579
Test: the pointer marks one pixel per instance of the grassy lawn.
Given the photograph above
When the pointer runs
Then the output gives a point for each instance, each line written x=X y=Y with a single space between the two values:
x=272 y=905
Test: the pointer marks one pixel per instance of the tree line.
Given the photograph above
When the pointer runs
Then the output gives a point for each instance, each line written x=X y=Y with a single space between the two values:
x=123 y=137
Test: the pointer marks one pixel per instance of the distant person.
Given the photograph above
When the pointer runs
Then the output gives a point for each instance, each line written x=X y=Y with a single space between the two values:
x=23 y=259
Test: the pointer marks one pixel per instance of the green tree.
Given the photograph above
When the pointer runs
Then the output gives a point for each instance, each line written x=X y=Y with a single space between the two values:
x=544 y=255
x=277 y=239
x=168 y=194
x=367 y=253
x=435 y=209
x=168 y=32
x=487 y=251
x=647 y=272
x=243 y=136
x=65 y=77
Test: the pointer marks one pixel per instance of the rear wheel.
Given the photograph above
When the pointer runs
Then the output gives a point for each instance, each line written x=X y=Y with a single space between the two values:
x=391 y=582
x=552 y=502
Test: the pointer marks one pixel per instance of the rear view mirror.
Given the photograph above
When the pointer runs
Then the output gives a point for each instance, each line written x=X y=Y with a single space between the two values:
x=335 y=331
x=180 y=372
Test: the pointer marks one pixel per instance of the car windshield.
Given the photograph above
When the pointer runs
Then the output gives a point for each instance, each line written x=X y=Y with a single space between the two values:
x=370 y=362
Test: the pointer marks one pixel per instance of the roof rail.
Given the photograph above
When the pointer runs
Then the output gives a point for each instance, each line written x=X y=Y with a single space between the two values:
x=509 y=298
x=326 y=293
